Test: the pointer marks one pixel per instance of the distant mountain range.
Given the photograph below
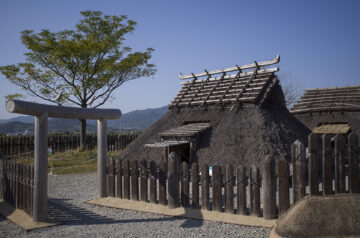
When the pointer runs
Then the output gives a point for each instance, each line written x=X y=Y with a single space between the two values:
x=134 y=120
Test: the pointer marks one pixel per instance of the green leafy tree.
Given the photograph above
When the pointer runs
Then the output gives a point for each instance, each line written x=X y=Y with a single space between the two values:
x=81 y=67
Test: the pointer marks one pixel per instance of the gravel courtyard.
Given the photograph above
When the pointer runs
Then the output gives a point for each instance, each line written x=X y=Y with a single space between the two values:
x=67 y=194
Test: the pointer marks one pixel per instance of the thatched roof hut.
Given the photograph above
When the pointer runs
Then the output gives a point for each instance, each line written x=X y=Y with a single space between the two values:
x=236 y=118
x=330 y=110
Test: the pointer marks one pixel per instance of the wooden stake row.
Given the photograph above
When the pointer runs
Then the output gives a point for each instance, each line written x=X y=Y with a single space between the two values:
x=227 y=189
x=17 y=184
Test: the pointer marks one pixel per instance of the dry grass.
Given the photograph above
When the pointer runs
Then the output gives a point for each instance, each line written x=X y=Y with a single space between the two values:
x=72 y=161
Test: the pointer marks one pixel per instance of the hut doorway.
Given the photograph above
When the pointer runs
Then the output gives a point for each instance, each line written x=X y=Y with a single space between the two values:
x=183 y=150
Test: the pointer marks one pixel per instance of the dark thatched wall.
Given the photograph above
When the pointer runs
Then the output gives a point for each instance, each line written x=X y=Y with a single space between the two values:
x=240 y=136
x=313 y=119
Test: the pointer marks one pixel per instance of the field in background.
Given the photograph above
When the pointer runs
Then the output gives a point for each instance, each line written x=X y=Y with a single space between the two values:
x=72 y=161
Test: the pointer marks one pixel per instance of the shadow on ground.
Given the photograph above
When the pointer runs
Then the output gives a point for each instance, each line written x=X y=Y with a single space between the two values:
x=67 y=213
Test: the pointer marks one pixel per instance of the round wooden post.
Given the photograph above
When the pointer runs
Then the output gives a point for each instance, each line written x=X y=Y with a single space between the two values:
x=269 y=181
x=241 y=190
x=229 y=189
x=353 y=163
x=217 y=188
x=119 y=174
x=205 y=191
x=40 y=168
x=339 y=164
x=254 y=191
x=283 y=171
x=195 y=185
x=326 y=165
x=313 y=164
x=101 y=157
x=185 y=189
x=173 y=180
x=144 y=181
x=153 y=191
x=134 y=180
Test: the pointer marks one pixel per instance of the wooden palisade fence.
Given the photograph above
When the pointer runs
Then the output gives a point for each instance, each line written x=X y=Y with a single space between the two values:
x=15 y=145
x=17 y=185
x=259 y=191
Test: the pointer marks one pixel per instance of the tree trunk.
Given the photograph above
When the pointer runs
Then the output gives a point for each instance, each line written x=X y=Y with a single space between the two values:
x=82 y=134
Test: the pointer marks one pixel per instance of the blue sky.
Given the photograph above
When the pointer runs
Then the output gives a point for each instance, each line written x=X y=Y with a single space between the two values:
x=318 y=40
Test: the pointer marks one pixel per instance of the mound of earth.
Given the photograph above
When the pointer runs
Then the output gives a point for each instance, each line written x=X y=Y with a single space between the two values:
x=321 y=216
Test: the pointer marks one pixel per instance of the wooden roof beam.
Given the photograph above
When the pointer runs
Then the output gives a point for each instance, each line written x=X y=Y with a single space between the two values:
x=207 y=97
x=202 y=85
x=244 y=74
x=231 y=69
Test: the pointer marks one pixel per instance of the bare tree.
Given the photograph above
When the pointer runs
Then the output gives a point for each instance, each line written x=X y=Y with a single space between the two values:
x=292 y=89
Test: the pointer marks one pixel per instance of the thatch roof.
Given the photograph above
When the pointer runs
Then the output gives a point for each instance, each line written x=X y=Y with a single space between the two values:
x=244 y=87
x=223 y=129
x=329 y=99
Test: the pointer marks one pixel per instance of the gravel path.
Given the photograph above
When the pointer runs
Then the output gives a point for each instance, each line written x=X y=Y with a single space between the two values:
x=67 y=194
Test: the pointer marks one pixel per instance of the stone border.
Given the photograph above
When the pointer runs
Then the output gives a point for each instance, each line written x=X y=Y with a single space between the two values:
x=183 y=212
x=21 y=218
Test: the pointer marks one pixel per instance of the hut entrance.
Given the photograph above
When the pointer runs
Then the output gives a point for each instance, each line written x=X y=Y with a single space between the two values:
x=180 y=140
x=183 y=150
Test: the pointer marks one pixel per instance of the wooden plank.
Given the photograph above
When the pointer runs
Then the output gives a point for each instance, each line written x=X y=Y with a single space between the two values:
x=134 y=180
x=269 y=182
x=217 y=188
x=283 y=184
x=236 y=68
x=173 y=181
x=205 y=191
x=162 y=182
x=185 y=189
x=229 y=189
x=195 y=185
x=241 y=190
x=153 y=181
x=353 y=153
x=313 y=164
x=339 y=164
x=119 y=178
x=255 y=191
x=144 y=182
x=126 y=179
x=326 y=164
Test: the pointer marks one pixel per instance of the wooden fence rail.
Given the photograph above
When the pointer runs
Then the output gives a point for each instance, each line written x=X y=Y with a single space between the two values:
x=268 y=187
x=17 y=184
x=15 y=145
